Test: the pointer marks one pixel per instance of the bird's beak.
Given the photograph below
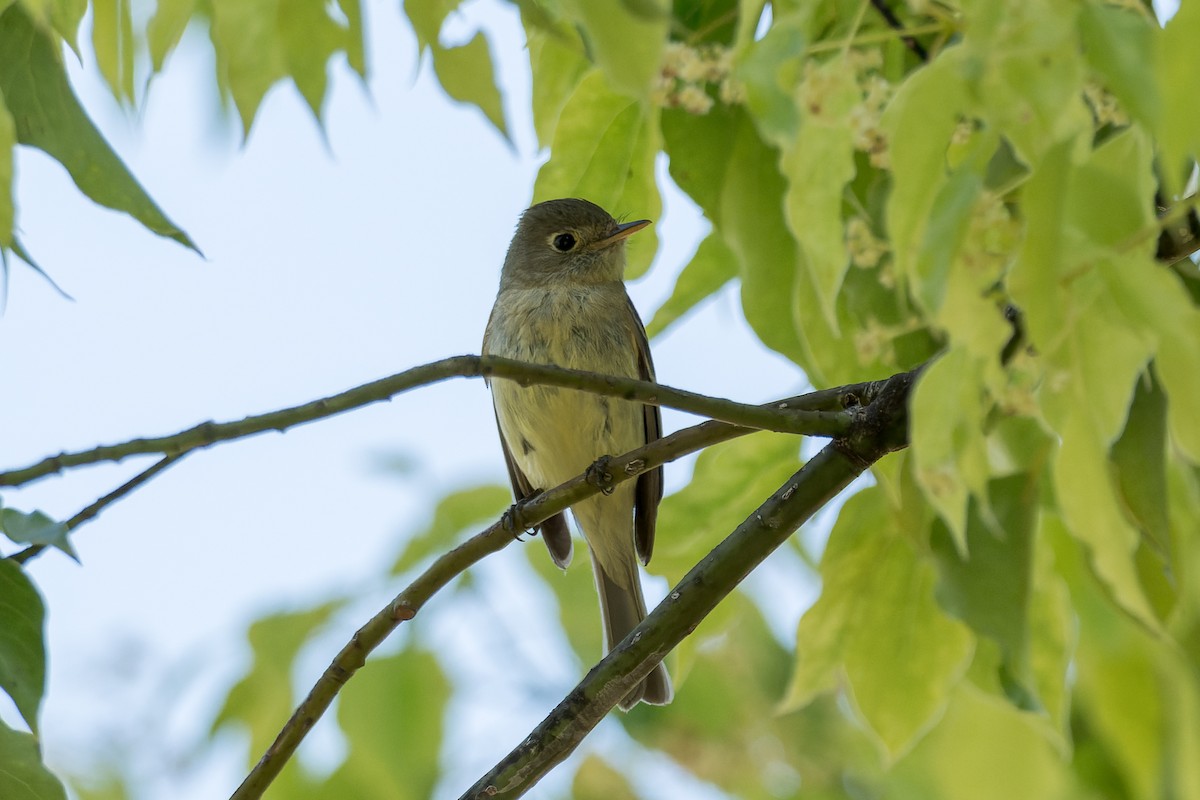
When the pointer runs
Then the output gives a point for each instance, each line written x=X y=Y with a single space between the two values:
x=623 y=231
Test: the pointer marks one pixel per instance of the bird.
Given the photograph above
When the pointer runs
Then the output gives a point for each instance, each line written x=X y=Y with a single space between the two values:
x=562 y=301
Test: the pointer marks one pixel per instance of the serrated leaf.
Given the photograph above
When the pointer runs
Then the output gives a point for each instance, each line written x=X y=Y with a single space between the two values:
x=626 y=46
x=391 y=714
x=453 y=514
x=604 y=149
x=113 y=44
x=466 y=73
x=877 y=630
x=22 y=644
x=263 y=699
x=166 y=27
x=355 y=40
x=310 y=38
x=23 y=776
x=36 y=528
x=48 y=116
x=426 y=17
x=711 y=267
x=250 y=55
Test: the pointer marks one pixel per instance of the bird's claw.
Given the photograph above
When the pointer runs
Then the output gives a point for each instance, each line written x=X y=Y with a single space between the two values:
x=598 y=475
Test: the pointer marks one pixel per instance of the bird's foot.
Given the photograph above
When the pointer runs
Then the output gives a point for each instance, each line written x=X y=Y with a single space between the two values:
x=599 y=476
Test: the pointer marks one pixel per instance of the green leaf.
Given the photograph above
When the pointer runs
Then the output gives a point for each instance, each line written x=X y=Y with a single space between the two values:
x=1177 y=64
x=950 y=458
x=426 y=17
x=877 y=630
x=392 y=716
x=722 y=725
x=818 y=164
x=310 y=38
x=557 y=67
x=627 y=46
x=604 y=150
x=596 y=779
x=729 y=482
x=990 y=589
x=22 y=644
x=453 y=514
x=466 y=74
x=60 y=16
x=263 y=699
x=166 y=27
x=771 y=98
x=36 y=528
x=23 y=776
x=986 y=750
x=1119 y=45
x=8 y=141
x=919 y=122
x=1140 y=458
x=1024 y=70
x=575 y=590
x=112 y=41
x=48 y=116
x=711 y=267
x=355 y=40
x=750 y=218
x=250 y=55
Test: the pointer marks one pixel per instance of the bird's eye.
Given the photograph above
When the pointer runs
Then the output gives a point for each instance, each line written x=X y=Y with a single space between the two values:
x=564 y=242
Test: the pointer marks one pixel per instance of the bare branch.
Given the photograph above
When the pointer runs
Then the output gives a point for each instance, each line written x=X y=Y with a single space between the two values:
x=882 y=428
x=814 y=423
x=523 y=516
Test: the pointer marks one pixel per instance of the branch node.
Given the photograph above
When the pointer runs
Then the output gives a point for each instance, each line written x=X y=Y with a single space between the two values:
x=403 y=612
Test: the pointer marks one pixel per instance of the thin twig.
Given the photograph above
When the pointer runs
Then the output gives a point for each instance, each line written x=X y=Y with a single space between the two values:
x=92 y=511
x=816 y=423
x=893 y=21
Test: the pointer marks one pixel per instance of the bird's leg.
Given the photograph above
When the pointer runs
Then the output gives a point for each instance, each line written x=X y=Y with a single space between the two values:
x=599 y=476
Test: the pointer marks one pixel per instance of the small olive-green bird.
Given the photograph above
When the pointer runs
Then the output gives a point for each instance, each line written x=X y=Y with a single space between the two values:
x=562 y=302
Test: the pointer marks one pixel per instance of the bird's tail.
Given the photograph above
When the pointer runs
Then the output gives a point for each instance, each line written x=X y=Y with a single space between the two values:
x=622 y=609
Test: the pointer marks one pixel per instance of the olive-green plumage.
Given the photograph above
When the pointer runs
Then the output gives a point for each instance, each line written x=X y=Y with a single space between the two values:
x=562 y=302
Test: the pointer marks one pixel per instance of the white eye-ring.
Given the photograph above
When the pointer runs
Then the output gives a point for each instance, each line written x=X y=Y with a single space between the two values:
x=563 y=242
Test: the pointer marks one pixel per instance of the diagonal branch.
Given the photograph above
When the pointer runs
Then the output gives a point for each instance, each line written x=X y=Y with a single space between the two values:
x=783 y=420
x=882 y=429
x=523 y=516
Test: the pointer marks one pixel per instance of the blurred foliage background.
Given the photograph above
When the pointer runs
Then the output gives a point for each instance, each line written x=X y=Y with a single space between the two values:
x=1004 y=188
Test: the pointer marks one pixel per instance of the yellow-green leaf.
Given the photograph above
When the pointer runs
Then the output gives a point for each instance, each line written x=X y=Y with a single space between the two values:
x=112 y=41
x=454 y=513
x=8 y=141
x=604 y=150
x=166 y=27
x=466 y=74
x=1177 y=65
x=392 y=717
x=250 y=56
x=48 y=116
x=710 y=268
x=877 y=630
x=557 y=64
x=23 y=776
x=596 y=779
x=627 y=46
